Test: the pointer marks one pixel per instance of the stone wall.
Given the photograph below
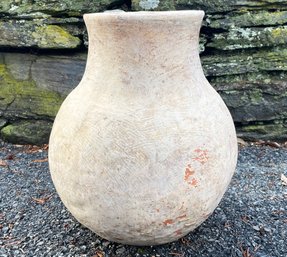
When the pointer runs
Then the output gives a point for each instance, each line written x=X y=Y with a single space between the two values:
x=43 y=45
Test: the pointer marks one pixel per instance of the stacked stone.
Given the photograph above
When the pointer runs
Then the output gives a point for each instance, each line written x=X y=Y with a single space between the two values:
x=43 y=47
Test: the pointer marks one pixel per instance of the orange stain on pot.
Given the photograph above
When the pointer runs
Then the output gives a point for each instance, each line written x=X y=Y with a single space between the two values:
x=188 y=172
x=193 y=182
x=187 y=177
x=178 y=232
x=168 y=222
x=202 y=156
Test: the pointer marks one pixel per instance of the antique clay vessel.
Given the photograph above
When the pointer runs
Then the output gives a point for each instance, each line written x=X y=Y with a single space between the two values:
x=142 y=151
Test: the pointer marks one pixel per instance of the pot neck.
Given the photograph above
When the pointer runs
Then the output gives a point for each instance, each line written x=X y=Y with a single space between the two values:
x=143 y=43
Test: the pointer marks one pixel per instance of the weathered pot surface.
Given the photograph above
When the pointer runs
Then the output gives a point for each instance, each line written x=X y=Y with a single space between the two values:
x=142 y=151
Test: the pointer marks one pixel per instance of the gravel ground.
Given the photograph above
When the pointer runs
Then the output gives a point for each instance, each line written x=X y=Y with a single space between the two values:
x=251 y=220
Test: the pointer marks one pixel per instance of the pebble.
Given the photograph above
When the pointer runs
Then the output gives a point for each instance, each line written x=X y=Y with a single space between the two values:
x=120 y=250
x=5 y=229
x=105 y=243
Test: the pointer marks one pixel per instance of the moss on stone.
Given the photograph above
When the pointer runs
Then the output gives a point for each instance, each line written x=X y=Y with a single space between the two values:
x=211 y=6
x=153 y=5
x=242 y=19
x=3 y=122
x=27 y=132
x=36 y=33
x=240 y=38
x=276 y=130
x=52 y=36
x=55 y=8
x=272 y=59
x=25 y=99
x=27 y=109
x=260 y=4
x=256 y=96
x=279 y=35
x=263 y=131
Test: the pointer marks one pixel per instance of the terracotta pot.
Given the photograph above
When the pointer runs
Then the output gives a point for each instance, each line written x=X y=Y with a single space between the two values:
x=142 y=151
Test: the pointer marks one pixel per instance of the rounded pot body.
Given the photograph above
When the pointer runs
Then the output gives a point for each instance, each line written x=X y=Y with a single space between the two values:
x=142 y=151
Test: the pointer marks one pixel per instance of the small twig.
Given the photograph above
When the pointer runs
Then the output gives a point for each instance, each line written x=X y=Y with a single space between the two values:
x=256 y=248
x=11 y=243
x=177 y=254
x=245 y=253
x=42 y=200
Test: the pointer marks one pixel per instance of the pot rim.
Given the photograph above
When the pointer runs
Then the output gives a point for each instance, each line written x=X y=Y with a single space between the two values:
x=176 y=14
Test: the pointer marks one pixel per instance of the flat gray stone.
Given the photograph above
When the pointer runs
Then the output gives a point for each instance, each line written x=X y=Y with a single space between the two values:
x=19 y=65
x=58 y=73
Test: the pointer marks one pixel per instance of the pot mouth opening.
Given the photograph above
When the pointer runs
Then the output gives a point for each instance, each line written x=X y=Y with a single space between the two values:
x=146 y=14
